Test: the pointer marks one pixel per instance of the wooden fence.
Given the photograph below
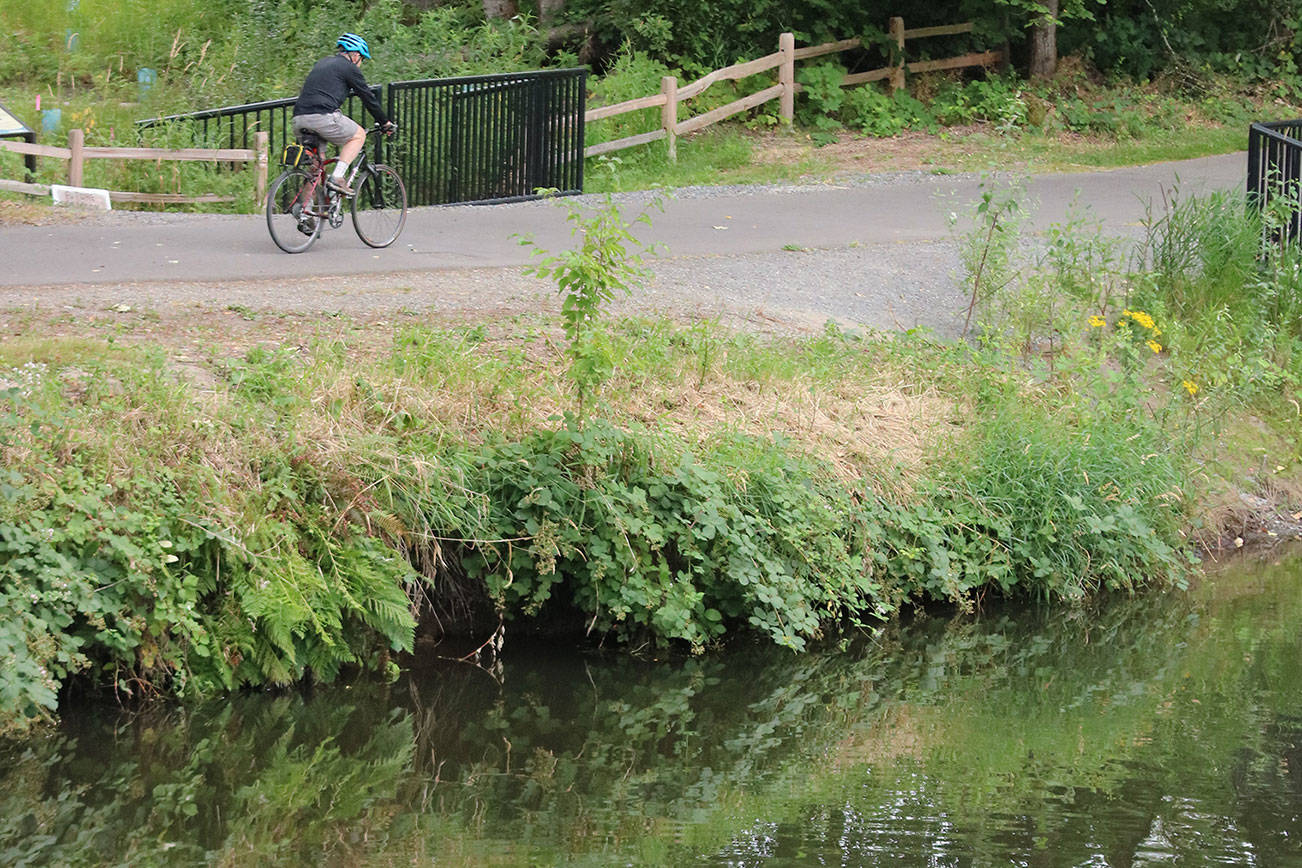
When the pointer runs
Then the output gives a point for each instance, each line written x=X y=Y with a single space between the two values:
x=784 y=60
x=77 y=153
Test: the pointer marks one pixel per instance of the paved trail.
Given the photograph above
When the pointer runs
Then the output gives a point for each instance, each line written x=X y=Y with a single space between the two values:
x=878 y=251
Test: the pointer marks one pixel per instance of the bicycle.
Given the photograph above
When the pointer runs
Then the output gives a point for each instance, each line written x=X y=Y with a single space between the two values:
x=300 y=204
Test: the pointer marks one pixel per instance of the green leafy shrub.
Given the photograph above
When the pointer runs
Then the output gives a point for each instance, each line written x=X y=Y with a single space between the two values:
x=120 y=566
x=90 y=569
x=998 y=100
x=876 y=113
x=650 y=541
x=606 y=263
x=821 y=99
x=873 y=112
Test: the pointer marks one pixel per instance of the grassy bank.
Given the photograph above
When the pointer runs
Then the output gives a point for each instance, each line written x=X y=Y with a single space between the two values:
x=182 y=516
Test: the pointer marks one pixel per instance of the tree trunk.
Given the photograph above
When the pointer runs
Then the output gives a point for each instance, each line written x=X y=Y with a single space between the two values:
x=505 y=8
x=1044 y=43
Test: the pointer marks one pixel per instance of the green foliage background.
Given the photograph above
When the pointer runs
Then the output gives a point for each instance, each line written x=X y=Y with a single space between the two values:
x=257 y=49
x=1125 y=37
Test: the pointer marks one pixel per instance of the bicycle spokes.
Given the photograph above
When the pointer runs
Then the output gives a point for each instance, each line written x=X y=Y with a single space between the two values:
x=291 y=211
x=380 y=206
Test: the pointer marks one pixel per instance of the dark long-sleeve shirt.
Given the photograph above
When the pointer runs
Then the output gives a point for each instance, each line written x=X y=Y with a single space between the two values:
x=328 y=85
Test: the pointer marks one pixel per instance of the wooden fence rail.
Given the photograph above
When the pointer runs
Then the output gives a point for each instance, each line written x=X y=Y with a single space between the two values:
x=77 y=153
x=784 y=59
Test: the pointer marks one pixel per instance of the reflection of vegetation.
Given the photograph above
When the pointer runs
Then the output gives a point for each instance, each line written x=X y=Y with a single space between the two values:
x=262 y=779
x=1085 y=737
x=1072 y=733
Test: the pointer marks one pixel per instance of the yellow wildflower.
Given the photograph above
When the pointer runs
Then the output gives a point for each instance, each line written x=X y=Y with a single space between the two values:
x=1097 y=321
x=1142 y=318
x=1190 y=386
x=1154 y=346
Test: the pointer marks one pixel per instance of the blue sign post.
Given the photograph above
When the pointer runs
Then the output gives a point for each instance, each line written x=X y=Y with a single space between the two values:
x=145 y=79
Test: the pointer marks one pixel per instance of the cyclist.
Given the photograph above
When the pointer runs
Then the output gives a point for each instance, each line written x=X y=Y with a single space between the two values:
x=324 y=91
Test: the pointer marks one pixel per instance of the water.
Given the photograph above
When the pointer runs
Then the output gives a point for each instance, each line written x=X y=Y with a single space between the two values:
x=1165 y=730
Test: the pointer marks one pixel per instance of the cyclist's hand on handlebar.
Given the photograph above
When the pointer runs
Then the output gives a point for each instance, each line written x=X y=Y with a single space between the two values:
x=389 y=128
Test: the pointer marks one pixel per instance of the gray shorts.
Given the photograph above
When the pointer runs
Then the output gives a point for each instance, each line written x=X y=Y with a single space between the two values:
x=335 y=127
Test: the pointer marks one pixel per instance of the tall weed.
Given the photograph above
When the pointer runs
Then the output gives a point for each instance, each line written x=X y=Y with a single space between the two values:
x=1090 y=502
x=631 y=75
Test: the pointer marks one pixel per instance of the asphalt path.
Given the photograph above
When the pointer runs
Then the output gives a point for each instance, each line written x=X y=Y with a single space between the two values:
x=877 y=250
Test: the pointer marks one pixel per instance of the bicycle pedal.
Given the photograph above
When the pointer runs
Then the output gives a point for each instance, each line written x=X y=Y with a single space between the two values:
x=340 y=187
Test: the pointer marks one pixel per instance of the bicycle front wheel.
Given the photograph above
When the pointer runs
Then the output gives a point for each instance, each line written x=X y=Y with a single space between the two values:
x=292 y=206
x=380 y=206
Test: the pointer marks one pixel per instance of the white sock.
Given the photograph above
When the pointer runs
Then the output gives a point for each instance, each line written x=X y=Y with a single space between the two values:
x=340 y=168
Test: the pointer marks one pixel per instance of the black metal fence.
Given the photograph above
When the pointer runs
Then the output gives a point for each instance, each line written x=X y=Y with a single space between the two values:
x=1275 y=173
x=491 y=138
x=485 y=138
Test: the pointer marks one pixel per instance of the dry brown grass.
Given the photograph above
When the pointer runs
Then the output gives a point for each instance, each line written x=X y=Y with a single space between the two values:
x=853 y=154
x=884 y=428
x=850 y=427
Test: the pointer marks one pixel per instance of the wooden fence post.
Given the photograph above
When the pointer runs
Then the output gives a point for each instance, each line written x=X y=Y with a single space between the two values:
x=669 y=114
x=262 y=142
x=787 y=77
x=897 y=34
x=77 y=164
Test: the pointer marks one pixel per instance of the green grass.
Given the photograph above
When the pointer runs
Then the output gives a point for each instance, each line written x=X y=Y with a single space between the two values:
x=724 y=155
x=720 y=155
x=1041 y=153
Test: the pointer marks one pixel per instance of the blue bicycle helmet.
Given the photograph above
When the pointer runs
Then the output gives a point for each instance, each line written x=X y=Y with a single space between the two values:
x=353 y=42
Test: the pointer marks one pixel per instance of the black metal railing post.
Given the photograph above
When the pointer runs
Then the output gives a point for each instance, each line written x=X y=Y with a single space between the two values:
x=1275 y=172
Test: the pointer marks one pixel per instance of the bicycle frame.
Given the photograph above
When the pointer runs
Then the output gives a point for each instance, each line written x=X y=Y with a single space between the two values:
x=302 y=203
x=321 y=167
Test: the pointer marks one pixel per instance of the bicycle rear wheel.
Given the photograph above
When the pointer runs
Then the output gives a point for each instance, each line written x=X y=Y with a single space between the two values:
x=292 y=202
x=380 y=206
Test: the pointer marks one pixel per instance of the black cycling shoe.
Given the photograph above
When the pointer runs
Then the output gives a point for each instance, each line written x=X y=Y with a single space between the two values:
x=307 y=225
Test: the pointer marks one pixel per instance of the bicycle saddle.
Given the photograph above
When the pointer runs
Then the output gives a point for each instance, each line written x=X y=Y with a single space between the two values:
x=310 y=140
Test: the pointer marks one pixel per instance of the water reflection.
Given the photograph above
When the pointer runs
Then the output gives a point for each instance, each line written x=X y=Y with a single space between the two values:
x=1160 y=730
